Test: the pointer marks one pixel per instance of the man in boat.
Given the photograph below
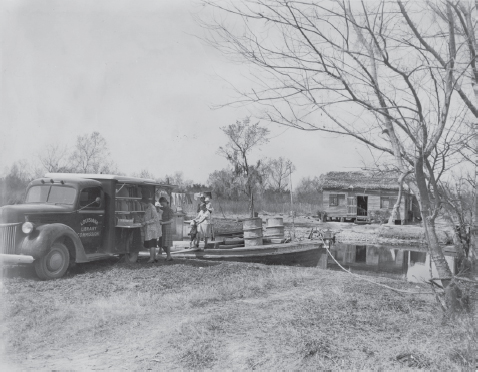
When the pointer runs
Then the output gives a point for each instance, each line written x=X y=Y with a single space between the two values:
x=202 y=199
x=211 y=222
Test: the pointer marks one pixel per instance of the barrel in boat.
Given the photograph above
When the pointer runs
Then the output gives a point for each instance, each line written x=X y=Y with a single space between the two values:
x=252 y=232
x=275 y=228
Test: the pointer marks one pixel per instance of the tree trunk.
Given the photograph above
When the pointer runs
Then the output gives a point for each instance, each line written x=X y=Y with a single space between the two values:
x=251 y=206
x=428 y=221
x=396 y=208
x=474 y=227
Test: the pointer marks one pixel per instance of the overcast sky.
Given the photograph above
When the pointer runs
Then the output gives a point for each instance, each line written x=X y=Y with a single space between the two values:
x=136 y=72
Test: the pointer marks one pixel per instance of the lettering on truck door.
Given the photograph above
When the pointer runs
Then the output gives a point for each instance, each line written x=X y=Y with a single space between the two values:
x=91 y=218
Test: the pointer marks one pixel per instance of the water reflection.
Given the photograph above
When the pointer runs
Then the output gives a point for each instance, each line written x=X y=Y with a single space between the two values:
x=407 y=263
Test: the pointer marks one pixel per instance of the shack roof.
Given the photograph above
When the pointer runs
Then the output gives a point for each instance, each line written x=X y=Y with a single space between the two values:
x=361 y=180
x=119 y=179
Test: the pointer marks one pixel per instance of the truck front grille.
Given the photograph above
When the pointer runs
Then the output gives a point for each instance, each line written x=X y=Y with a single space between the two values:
x=8 y=237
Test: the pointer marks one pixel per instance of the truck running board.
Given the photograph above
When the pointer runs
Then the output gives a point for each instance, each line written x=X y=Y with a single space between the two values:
x=97 y=256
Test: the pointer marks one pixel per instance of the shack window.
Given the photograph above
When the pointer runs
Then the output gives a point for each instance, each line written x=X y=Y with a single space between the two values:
x=88 y=197
x=336 y=200
x=387 y=202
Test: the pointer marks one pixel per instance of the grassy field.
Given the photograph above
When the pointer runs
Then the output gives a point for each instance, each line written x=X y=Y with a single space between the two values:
x=198 y=315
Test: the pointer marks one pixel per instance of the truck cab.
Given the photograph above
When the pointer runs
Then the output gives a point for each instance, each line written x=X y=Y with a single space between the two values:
x=74 y=218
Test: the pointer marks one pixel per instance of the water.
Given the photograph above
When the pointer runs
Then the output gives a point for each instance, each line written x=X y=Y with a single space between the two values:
x=406 y=263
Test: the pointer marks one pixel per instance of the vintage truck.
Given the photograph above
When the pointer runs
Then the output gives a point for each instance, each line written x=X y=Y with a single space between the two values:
x=74 y=218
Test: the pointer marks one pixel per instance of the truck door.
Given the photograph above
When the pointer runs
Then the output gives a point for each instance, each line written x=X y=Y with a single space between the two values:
x=91 y=218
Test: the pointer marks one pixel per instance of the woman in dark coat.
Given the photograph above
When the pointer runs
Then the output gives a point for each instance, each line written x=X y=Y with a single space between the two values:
x=166 y=224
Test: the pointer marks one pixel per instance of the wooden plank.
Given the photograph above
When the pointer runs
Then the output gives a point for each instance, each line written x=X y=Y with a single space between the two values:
x=233 y=241
x=273 y=240
x=230 y=246
x=194 y=249
x=373 y=203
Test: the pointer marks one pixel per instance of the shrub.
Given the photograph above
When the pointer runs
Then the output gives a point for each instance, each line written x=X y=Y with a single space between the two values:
x=381 y=216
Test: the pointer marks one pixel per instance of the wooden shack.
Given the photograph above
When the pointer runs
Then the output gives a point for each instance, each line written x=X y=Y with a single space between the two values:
x=362 y=196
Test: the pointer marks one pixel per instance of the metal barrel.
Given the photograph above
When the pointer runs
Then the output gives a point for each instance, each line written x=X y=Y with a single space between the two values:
x=252 y=232
x=275 y=228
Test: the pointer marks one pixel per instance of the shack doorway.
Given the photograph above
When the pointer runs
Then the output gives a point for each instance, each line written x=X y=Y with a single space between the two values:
x=362 y=205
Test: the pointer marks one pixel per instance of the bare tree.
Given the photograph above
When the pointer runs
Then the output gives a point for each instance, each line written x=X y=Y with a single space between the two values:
x=144 y=173
x=55 y=159
x=395 y=215
x=472 y=48
x=223 y=182
x=13 y=185
x=91 y=155
x=178 y=180
x=279 y=171
x=458 y=195
x=308 y=190
x=388 y=74
x=262 y=176
x=243 y=138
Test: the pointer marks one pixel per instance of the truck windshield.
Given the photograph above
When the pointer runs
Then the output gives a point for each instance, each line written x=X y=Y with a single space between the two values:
x=51 y=194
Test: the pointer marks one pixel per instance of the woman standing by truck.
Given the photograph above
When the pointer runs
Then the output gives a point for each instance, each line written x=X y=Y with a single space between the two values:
x=160 y=230
x=167 y=220
x=150 y=227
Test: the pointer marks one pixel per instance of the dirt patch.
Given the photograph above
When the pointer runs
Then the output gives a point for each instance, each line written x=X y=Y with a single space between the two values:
x=193 y=315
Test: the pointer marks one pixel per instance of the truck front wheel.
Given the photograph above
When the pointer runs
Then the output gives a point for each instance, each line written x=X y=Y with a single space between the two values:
x=54 y=264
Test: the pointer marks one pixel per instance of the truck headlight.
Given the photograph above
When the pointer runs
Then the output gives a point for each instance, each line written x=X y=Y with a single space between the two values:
x=27 y=227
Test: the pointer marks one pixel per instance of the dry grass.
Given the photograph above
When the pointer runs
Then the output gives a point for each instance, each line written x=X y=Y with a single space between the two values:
x=193 y=315
x=407 y=232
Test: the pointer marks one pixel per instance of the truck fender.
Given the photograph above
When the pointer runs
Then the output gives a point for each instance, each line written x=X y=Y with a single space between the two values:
x=38 y=243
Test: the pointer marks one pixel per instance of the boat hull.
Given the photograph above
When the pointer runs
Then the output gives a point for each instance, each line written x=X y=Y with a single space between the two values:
x=309 y=254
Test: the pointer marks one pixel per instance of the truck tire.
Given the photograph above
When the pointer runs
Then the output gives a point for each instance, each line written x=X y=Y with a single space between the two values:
x=54 y=264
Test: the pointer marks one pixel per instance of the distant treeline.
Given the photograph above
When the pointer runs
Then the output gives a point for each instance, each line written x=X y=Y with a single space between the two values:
x=306 y=196
x=90 y=154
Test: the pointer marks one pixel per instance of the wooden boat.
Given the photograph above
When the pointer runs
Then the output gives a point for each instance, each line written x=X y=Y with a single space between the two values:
x=307 y=253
